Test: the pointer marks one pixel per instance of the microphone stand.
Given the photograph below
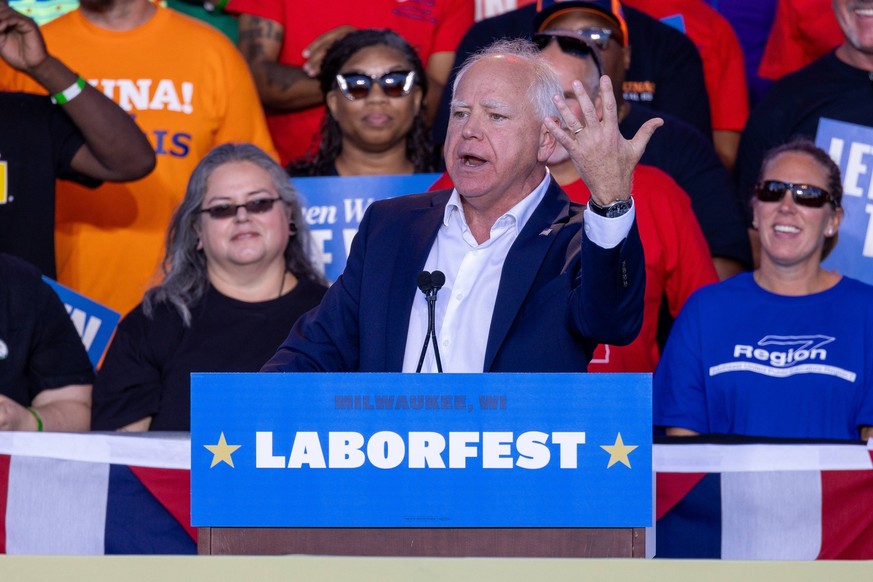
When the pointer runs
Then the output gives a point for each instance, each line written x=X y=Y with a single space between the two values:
x=430 y=284
x=425 y=284
x=437 y=280
x=431 y=327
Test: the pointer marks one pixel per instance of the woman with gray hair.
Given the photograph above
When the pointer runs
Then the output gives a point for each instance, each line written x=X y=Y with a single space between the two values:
x=237 y=277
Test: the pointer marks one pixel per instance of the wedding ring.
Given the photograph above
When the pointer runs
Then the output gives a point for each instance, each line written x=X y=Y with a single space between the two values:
x=578 y=130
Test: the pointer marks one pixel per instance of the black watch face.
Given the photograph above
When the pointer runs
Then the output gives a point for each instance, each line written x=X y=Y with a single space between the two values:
x=618 y=208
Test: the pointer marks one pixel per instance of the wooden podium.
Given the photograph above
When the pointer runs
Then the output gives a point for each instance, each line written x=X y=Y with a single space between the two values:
x=426 y=542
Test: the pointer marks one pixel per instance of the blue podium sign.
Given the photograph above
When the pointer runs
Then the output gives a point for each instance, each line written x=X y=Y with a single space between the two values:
x=421 y=450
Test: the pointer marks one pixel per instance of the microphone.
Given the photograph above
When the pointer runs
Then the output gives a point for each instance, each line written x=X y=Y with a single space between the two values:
x=425 y=282
x=437 y=280
x=430 y=284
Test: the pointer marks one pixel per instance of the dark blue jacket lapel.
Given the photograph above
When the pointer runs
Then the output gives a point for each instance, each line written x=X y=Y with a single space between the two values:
x=522 y=265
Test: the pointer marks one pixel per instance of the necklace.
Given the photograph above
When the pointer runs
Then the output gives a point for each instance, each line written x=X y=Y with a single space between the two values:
x=282 y=286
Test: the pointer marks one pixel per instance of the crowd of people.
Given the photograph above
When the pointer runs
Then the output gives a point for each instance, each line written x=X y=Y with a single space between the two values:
x=618 y=194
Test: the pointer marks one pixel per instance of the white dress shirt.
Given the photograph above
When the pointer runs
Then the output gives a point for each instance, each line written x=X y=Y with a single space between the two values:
x=465 y=303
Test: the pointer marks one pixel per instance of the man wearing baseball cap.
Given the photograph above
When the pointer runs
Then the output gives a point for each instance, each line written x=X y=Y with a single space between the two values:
x=678 y=149
x=550 y=10
x=665 y=73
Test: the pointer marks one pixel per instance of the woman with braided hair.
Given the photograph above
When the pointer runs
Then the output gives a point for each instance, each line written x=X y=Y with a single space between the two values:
x=374 y=85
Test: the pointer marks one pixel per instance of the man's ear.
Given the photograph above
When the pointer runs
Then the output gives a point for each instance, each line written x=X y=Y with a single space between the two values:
x=548 y=143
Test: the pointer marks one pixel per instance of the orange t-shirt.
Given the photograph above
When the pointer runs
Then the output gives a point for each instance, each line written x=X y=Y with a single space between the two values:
x=189 y=90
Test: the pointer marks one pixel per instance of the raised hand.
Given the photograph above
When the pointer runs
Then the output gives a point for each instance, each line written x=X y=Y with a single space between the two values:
x=21 y=43
x=316 y=50
x=603 y=158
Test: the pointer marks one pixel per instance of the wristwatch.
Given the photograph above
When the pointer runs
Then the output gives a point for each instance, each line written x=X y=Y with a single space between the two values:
x=614 y=209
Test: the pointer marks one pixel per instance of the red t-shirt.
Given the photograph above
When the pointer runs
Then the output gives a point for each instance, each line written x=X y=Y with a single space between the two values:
x=677 y=261
x=723 y=65
x=803 y=31
x=431 y=27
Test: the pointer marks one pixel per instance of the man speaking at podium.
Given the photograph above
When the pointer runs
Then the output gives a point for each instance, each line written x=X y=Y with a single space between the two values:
x=511 y=279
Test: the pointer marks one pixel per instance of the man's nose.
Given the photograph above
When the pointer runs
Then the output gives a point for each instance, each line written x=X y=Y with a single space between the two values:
x=472 y=127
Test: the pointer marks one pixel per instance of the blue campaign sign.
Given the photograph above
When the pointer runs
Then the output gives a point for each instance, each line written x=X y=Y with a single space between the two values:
x=94 y=322
x=851 y=147
x=421 y=450
x=334 y=206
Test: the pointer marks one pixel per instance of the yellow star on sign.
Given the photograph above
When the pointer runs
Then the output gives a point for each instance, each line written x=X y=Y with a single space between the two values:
x=618 y=452
x=221 y=452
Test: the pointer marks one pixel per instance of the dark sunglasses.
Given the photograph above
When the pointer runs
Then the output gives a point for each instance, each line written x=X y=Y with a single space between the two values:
x=258 y=206
x=357 y=85
x=599 y=36
x=568 y=45
x=802 y=194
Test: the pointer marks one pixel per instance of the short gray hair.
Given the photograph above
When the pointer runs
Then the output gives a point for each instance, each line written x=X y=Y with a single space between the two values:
x=546 y=83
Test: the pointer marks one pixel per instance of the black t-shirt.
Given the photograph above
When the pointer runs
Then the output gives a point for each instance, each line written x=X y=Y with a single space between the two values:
x=690 y=159
x=147 y=368
x=665 y=74
x=37 y=143
x=828 y=87
x=39 y=346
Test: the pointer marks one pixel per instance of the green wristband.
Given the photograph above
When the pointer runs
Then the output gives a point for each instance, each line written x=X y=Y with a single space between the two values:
x=69 y=93
x=37 y=417
x=215 y=5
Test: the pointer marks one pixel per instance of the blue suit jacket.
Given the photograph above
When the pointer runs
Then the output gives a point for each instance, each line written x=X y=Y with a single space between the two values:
x=560 y=294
